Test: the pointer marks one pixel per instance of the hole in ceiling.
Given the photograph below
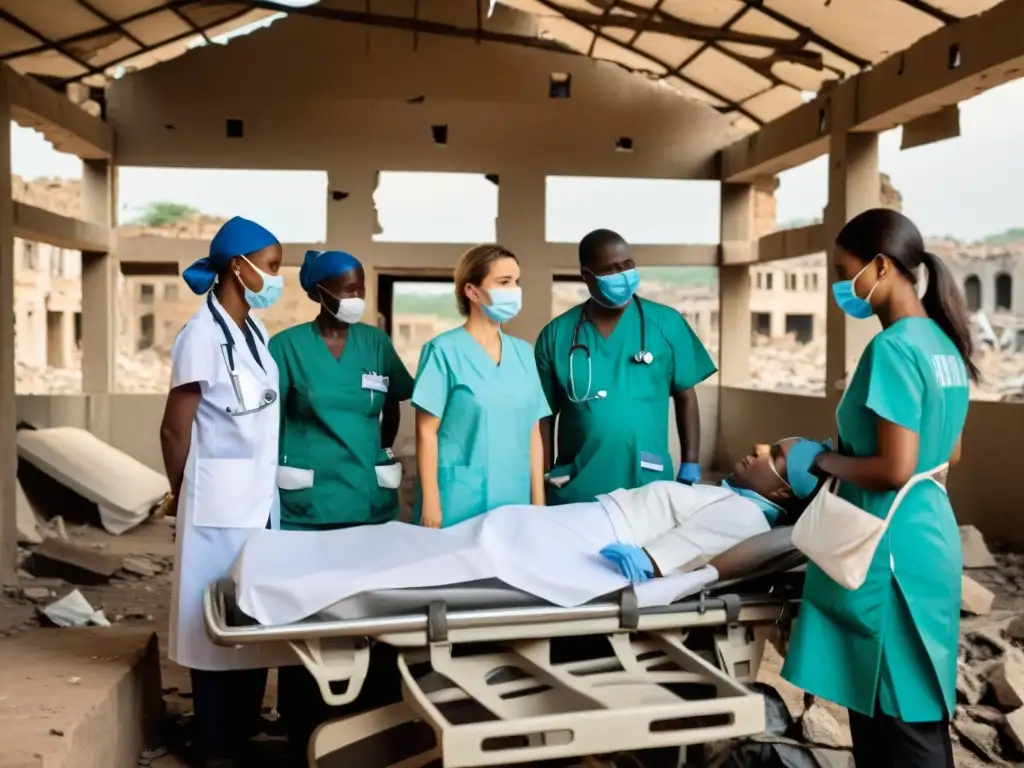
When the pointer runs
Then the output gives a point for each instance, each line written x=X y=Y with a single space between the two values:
x=235 y=128
x=440 y=134
x=624 y=144
x=169 y=127
x=560 y=85
x=953 y=59
x=337 y=194
x=416 y=100
x=493 y=178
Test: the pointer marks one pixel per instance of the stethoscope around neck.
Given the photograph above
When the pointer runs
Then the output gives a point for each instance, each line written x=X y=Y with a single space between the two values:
x=263 y=398
x=642 y=356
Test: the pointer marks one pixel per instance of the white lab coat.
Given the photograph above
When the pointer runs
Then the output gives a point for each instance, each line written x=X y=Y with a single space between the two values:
x=684 y=526
x=549 y=552
x=229 y=489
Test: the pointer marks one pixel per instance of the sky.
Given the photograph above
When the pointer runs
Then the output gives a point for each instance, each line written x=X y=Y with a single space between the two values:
x=967 y=187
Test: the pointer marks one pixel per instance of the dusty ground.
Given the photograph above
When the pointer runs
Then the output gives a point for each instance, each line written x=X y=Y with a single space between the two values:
x=132 y=600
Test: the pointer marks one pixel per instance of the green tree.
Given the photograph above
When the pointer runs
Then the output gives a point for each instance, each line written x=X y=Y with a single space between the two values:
x=1013 y=235
x=160 y=214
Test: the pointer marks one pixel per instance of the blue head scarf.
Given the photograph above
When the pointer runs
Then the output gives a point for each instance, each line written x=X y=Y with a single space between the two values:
x=237 y=237
x=318 y=266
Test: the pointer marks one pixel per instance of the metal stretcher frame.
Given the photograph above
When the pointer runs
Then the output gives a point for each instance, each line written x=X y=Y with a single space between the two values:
x=626 y=700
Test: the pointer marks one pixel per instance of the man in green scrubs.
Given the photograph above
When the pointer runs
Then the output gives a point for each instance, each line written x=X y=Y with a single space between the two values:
x=609 y=367
x=338 y=377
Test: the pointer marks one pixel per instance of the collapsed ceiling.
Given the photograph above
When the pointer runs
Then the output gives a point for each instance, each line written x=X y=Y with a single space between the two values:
x=754 y=59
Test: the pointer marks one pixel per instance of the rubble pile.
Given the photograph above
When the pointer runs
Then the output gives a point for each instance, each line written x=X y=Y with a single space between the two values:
x=786 y=365
x=144 y=372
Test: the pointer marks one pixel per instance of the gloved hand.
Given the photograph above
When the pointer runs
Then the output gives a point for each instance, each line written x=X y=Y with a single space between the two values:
x=631 y=560
x=689 y=473
x=800 y=471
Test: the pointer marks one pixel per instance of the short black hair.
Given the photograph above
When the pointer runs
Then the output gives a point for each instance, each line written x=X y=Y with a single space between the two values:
x=593 y=242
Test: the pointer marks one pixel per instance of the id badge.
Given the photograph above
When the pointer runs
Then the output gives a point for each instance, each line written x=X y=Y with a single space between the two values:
x=651 y=462
x=375 y=382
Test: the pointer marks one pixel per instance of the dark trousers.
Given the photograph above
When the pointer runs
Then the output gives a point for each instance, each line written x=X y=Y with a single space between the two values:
x=228 y=710
x=302 y=707
x=884 y=741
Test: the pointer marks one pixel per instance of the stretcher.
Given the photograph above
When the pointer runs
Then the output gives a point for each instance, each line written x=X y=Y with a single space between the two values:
x=517 y=682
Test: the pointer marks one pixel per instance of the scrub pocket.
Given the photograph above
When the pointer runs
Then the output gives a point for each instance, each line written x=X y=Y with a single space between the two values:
x=463 y=493
x=294 y=478
x=227 y=496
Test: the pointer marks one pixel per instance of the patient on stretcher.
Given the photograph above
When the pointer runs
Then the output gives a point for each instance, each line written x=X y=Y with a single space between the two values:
x=563 y=555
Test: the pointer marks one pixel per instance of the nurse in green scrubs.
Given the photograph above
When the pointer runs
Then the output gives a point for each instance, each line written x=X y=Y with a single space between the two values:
x=341 y=385
x=609 y=367
x=888 y=650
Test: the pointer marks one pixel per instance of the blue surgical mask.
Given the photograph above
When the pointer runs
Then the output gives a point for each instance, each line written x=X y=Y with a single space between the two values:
x=772 y=511
x=615 y=291
x=505 y=304
x=267 y=296
x=846 y=297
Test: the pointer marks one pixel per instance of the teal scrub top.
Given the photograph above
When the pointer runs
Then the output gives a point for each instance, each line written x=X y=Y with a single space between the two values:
x=488 y=412
x=894 y=641
x=330 y=423
x=622 y=440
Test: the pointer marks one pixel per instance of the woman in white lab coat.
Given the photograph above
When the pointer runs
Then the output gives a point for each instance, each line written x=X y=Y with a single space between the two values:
x=219 y=441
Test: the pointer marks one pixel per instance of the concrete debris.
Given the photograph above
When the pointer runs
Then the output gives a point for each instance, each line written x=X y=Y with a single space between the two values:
x=1014 y=727
x=821 y=728
x=975 y=599
x=1006 y=680
x=976 y=552
x=767 y=674
x=982 y=737
x=73 y=610
x=140 y=566
x=73 y=563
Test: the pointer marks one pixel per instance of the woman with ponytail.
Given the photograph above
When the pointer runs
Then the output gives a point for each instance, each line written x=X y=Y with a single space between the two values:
x=888 y=650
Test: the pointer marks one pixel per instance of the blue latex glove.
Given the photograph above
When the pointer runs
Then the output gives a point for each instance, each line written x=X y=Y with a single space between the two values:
x=689 y=473
x=631 y=560
x=799 y=463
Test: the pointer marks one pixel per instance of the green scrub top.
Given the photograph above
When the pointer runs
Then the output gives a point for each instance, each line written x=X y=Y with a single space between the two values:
x=488 y=412
x=330 y=423
x=621 y=440
x=894 y=641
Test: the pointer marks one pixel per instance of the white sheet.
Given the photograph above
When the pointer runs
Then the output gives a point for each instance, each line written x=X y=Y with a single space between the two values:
x=286 y=576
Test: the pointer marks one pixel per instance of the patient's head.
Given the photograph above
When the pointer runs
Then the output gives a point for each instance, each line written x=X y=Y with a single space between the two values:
x=764 y=471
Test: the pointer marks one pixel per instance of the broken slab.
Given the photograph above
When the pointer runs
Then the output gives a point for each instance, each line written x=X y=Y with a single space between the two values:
x=1013 y=726
x=976 y=552
x=29 y=524
x=974 y=598
x=75 y=564
x=768 y=673
x=124 y=490
x=1006 y=680
x=105 y=719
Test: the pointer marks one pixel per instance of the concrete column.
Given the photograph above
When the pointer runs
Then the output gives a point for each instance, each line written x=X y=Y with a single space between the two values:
x=8 y=415
x=853 y=187
x=738 y=207
x=351 y=224
x=99 y=284
x=521 y=228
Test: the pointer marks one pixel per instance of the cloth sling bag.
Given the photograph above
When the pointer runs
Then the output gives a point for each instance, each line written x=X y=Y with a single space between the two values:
x=841 y=538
